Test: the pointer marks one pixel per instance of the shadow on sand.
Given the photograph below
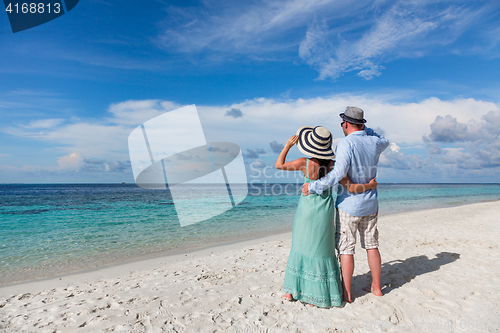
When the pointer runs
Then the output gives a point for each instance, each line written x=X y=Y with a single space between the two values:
x=398 y=272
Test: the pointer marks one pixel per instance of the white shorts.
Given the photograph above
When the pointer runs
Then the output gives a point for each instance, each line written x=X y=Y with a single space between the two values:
x=346 y=227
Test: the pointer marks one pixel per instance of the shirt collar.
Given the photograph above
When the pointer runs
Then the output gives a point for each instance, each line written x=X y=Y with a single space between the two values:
x=362 y=132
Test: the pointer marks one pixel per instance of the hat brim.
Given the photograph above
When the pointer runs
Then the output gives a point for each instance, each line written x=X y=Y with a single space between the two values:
x=352 y=120
x=307 y=149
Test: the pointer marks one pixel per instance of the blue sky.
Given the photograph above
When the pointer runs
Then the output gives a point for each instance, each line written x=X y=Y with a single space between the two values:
x=425 y=72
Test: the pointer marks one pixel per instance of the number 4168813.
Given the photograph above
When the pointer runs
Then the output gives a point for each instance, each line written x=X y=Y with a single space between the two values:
x=33 y=8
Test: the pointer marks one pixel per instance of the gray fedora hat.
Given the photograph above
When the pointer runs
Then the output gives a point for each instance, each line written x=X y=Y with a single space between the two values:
x=315 y=142
x=353 y=115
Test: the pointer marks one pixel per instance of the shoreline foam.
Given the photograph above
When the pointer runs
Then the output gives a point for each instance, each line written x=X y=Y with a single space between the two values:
x=92 y=266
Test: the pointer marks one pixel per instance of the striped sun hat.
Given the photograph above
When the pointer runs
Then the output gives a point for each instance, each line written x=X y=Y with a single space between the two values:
x=315 y=142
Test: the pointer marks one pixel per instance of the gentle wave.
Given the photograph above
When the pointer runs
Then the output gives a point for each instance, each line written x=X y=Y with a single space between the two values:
x=59 y=228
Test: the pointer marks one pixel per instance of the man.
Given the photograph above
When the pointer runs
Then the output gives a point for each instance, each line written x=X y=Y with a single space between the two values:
x=357 y=156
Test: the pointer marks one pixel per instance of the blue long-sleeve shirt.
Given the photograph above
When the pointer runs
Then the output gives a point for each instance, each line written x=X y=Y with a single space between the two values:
x=357 y=156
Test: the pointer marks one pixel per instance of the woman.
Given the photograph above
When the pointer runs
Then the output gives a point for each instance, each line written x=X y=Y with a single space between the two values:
x=312 y=273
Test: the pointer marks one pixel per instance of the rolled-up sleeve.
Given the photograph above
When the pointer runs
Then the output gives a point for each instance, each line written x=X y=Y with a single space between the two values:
x=338 y=173
x=382 y=144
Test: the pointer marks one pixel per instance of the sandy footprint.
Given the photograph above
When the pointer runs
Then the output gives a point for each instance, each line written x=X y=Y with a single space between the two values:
x=142 y=323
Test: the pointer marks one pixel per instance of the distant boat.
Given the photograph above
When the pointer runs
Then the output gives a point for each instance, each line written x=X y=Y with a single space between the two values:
x=123 y=182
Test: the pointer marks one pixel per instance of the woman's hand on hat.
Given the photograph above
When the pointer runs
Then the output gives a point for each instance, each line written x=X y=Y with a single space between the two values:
x=293 y=140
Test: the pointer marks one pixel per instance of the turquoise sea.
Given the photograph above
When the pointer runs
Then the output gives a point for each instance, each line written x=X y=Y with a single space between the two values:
x=52 y=229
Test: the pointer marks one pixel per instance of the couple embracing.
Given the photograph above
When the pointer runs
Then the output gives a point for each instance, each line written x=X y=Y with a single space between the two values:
x=313 y=274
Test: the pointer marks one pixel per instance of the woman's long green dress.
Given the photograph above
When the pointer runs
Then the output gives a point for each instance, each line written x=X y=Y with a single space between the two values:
x=312 y=271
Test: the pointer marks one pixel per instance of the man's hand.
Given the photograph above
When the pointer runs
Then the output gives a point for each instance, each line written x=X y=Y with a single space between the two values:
x=305 y=189
x=372 y=184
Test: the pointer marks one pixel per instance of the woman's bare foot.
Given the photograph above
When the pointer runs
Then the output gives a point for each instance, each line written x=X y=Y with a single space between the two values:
x=288 y=297
x=346 y=297
x=376 y=291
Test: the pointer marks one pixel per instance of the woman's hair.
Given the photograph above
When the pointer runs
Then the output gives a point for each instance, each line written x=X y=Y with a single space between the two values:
x=323 y=167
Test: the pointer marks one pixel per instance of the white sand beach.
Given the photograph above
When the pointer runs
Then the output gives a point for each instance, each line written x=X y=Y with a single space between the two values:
x=440 y=271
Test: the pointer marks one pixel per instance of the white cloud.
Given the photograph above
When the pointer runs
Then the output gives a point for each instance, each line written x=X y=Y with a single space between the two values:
x=244 y=27
x=235 y=113
x=404 y=123
x=69 y=161
x=406 y=29
x=30 y=168
x=447 y=129
x=259 y=164
x=93 y=144
x=332 y=36
x=478 y=141
x=31 y=92
x=276 y=147
x=43 y=123
x=265 y=120
x=372 y=71
x=394 y=147
x=392 y=158
x=135 y=113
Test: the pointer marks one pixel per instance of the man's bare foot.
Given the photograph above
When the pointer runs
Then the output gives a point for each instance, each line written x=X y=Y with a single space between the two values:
x=288 y=297
x=376 y=291
x=346 y=297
